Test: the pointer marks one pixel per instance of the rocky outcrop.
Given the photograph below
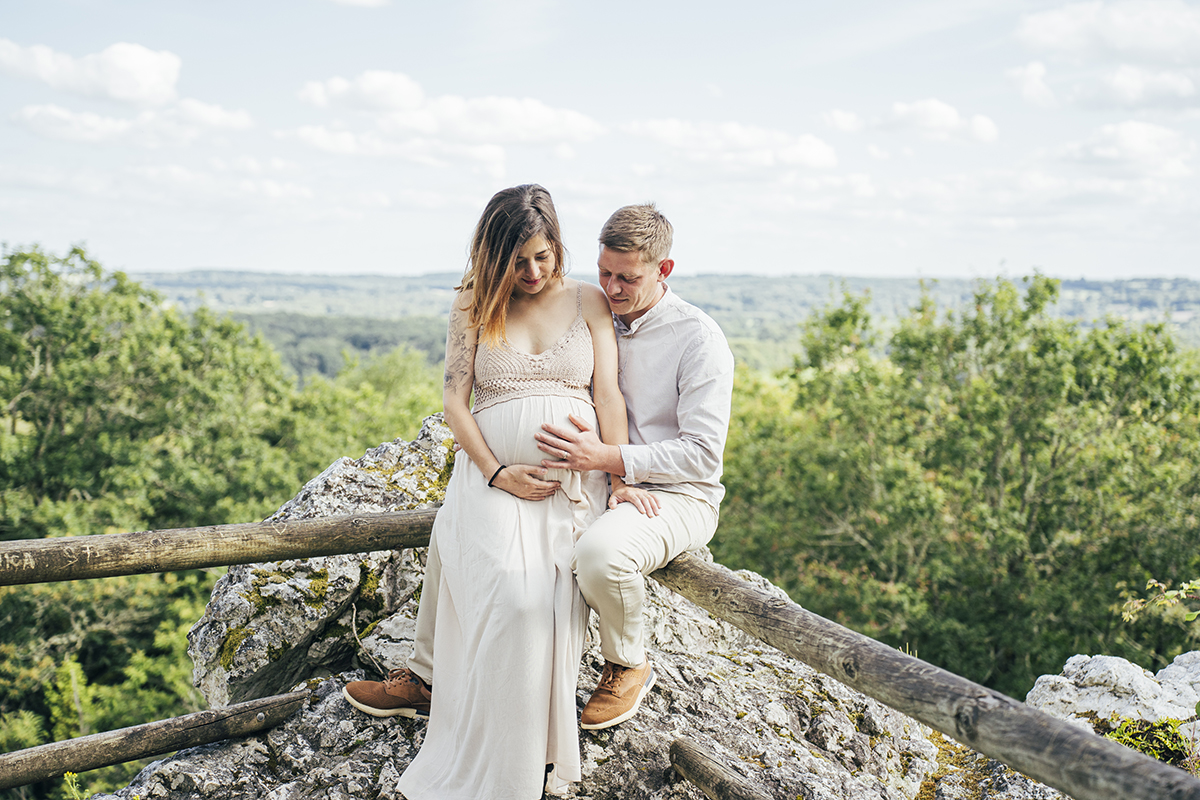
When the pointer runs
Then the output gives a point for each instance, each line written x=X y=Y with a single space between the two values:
x=269 y=626
x=1094 y=688
x=1091 y=691
x=786 y=729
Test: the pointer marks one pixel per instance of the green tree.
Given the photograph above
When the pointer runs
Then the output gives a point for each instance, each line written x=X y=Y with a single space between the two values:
x=977 y=493
x=120 y=414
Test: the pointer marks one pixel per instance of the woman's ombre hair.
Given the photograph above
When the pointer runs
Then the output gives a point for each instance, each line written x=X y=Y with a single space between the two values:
x=512 y=217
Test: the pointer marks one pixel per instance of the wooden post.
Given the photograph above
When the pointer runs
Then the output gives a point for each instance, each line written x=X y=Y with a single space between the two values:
x=1061 y=755
x=70 y=558
x=702 y=767
x=142 y=741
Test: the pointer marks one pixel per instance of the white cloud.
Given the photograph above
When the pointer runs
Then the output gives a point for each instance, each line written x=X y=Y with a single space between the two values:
x=940 y=121
x=151 y=128
x=253 y=166
x=159 y=185
x=184 y=182
x=127 y=72
x=737 y=145
x=490 y=158
x=344 y=142
x=1136 y=148
x=495 y=119
x=1031 y=80
x=273 y=190
x=1136 y=86
x=845 y=121
x=400 y=109
x=829 y=186
x=878 y=153
x=212 y=116
x=373 y=90
x=1147 y=30
x=60 y=123
x=363 y=3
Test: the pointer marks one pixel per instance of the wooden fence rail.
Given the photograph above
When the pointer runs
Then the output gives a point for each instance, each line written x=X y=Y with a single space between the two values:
x=1049 y=750
x=71 y=558
x=702 y=767
x=1061 y=755
x=143 y=741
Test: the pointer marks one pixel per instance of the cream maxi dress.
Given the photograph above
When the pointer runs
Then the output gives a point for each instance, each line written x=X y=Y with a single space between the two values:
x=510 y=619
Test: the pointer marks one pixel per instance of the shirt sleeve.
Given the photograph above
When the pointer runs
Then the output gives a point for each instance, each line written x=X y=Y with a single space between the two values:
x=705 y=395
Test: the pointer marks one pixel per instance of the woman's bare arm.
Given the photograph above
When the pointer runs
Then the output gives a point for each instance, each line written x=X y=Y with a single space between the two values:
x=606 y=393
x=522 y=480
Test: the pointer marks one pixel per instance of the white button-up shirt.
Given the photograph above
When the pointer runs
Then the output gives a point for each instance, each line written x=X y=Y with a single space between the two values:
x=676 y=374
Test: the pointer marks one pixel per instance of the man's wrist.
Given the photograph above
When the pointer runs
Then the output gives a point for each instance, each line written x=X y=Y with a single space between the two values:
x=615 y=462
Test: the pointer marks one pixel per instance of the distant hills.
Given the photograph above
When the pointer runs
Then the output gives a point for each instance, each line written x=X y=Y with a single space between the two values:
x=760 y=314
x=371 y=296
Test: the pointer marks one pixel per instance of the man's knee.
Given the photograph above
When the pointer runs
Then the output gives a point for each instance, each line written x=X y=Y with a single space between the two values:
x=593 y=560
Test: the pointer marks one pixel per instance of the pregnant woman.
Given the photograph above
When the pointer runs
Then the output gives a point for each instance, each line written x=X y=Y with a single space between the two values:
x=533 y=347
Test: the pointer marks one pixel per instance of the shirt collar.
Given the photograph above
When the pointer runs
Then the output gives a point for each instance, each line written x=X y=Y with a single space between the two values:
x=655 y=310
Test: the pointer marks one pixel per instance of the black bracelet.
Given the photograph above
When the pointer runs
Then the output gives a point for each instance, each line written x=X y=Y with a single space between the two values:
x=494 y=474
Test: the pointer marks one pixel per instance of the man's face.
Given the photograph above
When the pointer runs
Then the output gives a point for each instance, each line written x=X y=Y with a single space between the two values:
x=632 y=285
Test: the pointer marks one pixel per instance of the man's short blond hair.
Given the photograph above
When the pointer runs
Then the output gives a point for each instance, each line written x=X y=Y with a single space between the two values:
x=639 y=228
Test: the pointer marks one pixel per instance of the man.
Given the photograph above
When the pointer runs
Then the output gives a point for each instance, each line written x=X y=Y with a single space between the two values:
x=676 y=375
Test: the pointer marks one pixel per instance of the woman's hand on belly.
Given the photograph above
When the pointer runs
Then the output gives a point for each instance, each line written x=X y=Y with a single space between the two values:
x=525 y=481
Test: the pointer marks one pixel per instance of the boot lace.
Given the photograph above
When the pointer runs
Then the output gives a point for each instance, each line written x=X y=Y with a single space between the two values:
x=611 y=679
x=402 y=675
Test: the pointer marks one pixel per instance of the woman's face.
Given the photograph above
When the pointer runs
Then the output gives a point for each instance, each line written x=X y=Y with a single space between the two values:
x=534 y=266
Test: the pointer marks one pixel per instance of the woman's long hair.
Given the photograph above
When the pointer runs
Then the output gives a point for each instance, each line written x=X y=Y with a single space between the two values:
x=512 y=217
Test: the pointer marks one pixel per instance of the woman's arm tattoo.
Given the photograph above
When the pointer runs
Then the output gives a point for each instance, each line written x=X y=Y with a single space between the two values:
x=460 y=368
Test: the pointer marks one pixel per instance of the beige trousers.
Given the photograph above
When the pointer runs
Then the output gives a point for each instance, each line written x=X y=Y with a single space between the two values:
x=611 y=558
x=623 y=545
x=421 y=660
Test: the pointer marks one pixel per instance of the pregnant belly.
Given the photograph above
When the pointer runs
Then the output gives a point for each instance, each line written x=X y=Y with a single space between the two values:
x=509 y=427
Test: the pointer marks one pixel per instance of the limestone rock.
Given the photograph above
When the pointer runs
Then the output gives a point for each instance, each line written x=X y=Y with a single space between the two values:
x=788 y=730
x=977 y=777
x=1090 y=688
x=395 y=476
x=271 y=625
x=306 y=757
x=1099 y=687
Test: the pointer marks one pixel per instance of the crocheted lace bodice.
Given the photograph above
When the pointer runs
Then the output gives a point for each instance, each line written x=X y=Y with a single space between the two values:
x=504 y=373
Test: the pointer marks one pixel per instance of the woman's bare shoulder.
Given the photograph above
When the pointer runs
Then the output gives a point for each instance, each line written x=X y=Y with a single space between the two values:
x=595 y=303
x=462 y=300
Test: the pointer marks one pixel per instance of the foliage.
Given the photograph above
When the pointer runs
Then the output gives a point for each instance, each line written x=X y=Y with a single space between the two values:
x=326 y=346
x=971 y=492
x=1162 y=600
x=1161 y=740
x=122 y=415
x=378 y=400
x=98 y=655
x=21 y=729
x=976 y=485
x=71 y=786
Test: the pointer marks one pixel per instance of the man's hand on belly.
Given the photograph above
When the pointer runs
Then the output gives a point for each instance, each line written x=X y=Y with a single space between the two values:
x=579 y=449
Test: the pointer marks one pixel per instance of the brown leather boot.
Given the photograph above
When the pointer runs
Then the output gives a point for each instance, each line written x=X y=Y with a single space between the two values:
x=402 y=694
x=618 y=695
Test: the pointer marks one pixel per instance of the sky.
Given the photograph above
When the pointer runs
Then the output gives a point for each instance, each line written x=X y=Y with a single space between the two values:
x=908 y=138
